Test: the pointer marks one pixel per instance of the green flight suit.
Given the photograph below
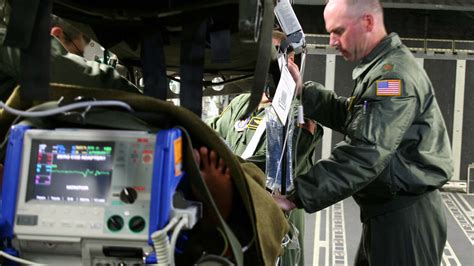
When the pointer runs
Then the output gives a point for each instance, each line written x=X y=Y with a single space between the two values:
x=238 y=134
x=394 y=157
x=66 y=68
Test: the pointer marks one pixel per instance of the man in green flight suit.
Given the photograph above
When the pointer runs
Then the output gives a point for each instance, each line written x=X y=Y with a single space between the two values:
x=396 y=152
x=239 y=132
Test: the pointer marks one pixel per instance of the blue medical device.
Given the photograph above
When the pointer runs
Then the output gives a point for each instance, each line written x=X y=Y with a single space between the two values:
x=167 y=173
x=82 y=190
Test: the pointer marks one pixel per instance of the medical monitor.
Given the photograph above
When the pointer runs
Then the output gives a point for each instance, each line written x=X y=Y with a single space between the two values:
x=85 y=183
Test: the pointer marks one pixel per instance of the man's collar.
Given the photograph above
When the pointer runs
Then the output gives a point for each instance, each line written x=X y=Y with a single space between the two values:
x=387 y=44
x=263 y=105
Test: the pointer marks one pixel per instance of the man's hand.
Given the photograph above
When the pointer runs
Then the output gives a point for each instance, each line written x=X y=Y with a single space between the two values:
x=284 y=203
x=309 y=125
x=295 y=73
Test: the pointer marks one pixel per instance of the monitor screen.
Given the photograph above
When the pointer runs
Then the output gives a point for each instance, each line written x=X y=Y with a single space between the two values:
x=70 y=171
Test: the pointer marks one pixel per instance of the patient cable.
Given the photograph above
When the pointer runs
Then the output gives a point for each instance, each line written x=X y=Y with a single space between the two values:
x=161 y=242
x=18 y=260
x=64 y=108
x=182 y=219
x=174 y=236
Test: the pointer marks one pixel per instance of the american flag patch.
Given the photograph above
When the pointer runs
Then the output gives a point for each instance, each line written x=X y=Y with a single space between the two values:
x=390 y=87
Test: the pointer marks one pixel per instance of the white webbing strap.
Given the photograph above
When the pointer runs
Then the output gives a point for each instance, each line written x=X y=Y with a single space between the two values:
x=252 y=146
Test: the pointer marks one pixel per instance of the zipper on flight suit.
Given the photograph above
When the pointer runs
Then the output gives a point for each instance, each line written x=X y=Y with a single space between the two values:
x=362 y=129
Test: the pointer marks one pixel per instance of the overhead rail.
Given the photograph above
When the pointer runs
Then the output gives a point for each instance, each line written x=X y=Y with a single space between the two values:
x=416 y=45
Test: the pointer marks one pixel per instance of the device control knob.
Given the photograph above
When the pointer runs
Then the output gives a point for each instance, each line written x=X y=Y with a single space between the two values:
x=115 y=223
x=137 y=224
x=128 y=195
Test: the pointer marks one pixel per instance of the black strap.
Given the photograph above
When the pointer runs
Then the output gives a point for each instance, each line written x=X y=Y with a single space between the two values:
x=35 y=63
x=154 y=66
x=263 y=59
x=22 y=21
x=220 y=46
x=192 y=66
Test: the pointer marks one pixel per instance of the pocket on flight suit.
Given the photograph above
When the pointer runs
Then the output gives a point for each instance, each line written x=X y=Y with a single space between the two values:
x=361 y=126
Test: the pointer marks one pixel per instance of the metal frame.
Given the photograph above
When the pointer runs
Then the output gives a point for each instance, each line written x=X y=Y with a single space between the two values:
x=329 y=84
x=458 y=116
x=463 y=49
x=470 y=181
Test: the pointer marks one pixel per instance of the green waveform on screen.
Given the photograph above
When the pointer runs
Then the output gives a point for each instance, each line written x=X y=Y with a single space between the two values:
x=84 y=173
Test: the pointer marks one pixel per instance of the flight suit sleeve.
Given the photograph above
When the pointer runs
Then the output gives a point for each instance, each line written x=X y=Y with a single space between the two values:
x=306 y=147
x=324 y=106
x=222 y=123
x=374 y=132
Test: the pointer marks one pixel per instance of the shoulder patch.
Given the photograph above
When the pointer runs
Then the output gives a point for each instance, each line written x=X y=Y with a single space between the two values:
x=240 y=125
x=389 y=87
x=388 y=67
x=254 y=122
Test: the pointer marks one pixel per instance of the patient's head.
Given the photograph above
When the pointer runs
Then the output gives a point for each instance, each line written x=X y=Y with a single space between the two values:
x=71 y=38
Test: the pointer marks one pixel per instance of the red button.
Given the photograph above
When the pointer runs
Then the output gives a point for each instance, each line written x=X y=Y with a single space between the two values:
x=146 y=158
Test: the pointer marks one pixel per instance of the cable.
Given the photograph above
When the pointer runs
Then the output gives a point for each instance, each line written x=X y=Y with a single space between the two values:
x=174 y=236
x=226 y=241
x=5 y=140
x=283 y=153
x=246 y=247
x=161 y=243
x=296 y=242
x=294 y=145
x=16 y=259
x=303 y=65
x=65 y=108
x=54 y=110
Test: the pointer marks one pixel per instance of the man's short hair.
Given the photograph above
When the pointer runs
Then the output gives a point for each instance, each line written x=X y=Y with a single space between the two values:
x=281 y=37
x=70 y=32
x=278 y=35
x=359 y=7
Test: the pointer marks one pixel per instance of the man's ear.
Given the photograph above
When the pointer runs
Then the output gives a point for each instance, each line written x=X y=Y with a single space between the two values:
x=57 y=32
x=368 y=21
